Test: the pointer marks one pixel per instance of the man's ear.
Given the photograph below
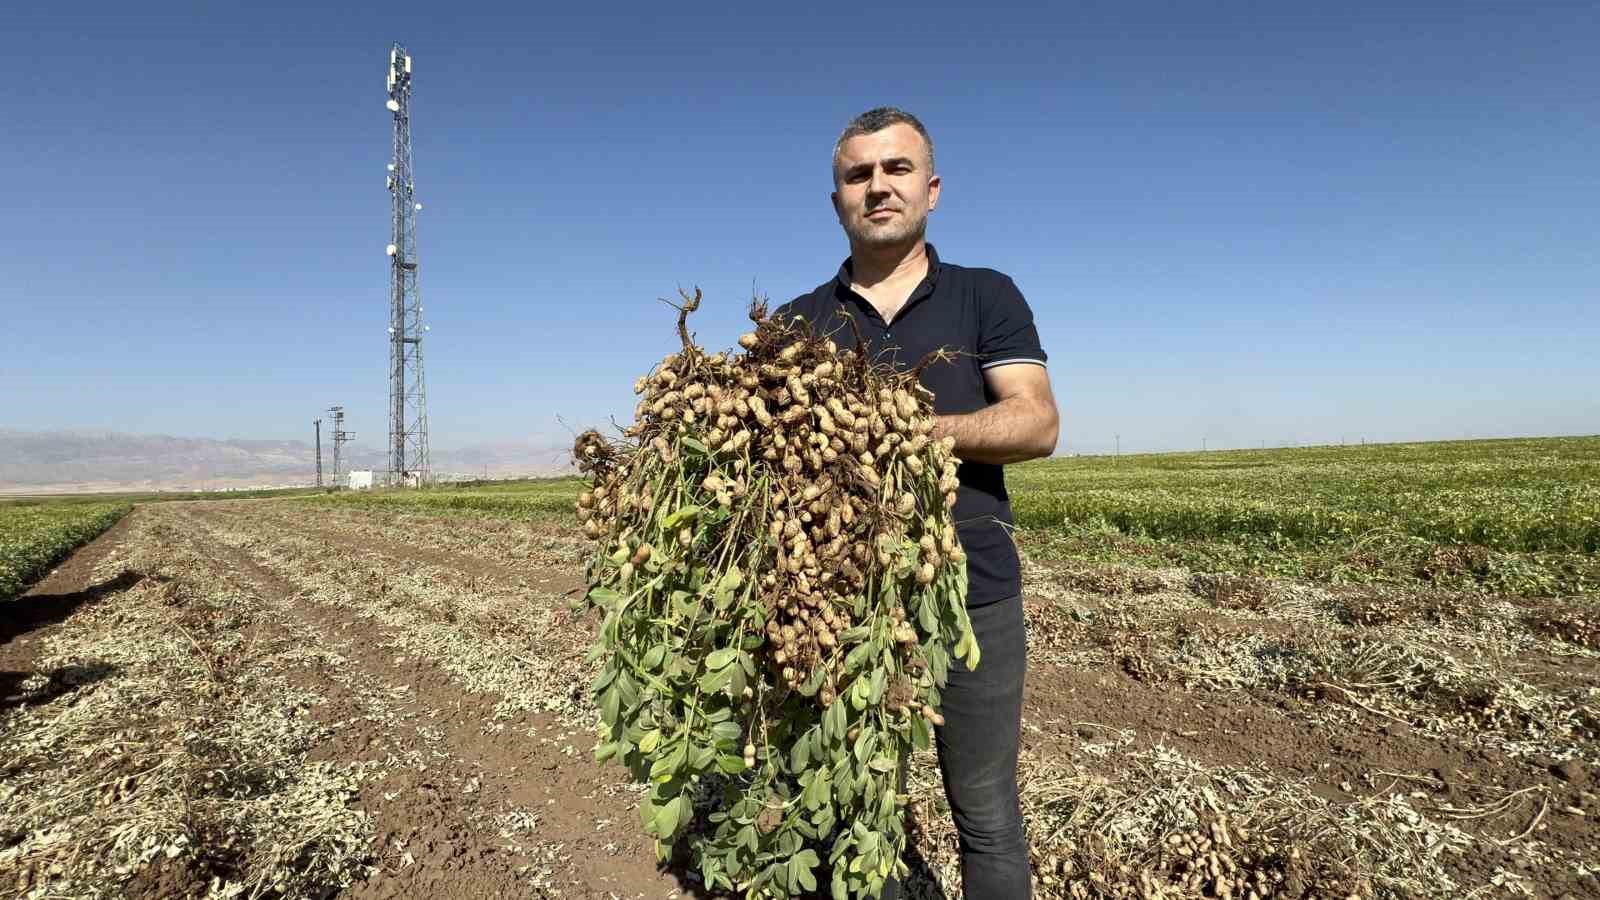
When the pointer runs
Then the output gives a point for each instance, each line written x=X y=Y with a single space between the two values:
x=834 y=199
x=933 y=192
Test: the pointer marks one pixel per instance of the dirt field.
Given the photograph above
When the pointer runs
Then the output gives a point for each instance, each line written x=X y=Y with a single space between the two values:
x=269 y=698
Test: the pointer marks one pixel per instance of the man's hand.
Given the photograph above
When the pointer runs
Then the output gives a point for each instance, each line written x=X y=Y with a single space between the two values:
x=1021 y=424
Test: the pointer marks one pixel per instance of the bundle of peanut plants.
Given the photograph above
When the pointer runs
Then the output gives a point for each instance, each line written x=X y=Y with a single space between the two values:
x=782 y=591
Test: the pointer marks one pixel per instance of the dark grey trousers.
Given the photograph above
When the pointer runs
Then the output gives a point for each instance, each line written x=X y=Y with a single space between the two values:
x=978 y=748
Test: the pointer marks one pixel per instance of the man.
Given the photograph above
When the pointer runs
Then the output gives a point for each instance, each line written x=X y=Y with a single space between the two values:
x=995 y=399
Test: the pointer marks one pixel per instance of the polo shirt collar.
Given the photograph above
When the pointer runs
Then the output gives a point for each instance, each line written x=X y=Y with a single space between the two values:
x=923 y=289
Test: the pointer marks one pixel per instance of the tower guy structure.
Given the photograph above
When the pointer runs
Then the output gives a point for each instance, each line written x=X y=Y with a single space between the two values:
x=408 y=405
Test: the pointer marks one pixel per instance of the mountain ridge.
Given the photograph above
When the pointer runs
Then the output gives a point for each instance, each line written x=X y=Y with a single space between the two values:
x=91 y=459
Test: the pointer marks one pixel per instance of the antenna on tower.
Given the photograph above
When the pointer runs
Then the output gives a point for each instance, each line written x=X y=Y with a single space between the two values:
x=408 y=407
x=318 y=424
x=340 y=437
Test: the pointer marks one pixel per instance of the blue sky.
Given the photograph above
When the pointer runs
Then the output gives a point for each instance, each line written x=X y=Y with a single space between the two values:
x=1238 y=223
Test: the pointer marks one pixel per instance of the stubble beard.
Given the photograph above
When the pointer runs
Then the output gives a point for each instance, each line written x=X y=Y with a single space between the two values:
x=865 y=234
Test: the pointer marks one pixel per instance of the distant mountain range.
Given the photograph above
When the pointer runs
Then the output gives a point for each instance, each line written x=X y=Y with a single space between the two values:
x=60 y=461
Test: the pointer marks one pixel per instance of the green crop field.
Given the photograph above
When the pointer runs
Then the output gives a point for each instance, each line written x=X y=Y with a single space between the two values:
x=1519 y=516
x=34 y=536
x=541 y=498
x=150 y=496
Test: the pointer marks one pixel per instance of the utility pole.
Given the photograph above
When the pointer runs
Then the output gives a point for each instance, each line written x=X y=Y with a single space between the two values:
x=1119 y=446
x=340 y=437
x=408 y=406
x=318 y=424
x=1202 y=445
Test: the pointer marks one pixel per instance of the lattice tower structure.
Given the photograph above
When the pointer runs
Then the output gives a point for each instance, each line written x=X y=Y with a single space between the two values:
x=408 y=404
x=340 y=438
x=317 y=423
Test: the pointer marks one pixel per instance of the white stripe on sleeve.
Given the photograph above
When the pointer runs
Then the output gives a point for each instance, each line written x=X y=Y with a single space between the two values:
x=1007 y=362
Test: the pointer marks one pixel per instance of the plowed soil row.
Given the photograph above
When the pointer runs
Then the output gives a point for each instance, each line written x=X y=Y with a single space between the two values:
x=438 y=829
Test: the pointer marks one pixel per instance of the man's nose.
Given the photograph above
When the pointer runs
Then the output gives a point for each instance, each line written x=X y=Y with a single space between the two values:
x=879 y=184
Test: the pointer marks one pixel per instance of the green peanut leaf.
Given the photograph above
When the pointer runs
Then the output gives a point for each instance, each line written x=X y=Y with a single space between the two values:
x=712 y=681
x=669 y=764
x=875 y=689
x=920 y=738
x=670 y=816
x=967 y=649
x=800 y=867
x=682 y=517
x=727 y=588
x=605 y=678
x=610 y=706
x=654 y=657
x=700 y=757
x=857 y=657
x=800 y=753
x=811 y=685
x=858 y=693
x=928 y=614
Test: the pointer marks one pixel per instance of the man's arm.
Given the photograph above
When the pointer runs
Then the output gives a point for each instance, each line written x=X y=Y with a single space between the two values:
x=1021 y=424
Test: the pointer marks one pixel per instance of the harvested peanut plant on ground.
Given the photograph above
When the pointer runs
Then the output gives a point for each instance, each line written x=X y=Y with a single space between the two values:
x=782 y=589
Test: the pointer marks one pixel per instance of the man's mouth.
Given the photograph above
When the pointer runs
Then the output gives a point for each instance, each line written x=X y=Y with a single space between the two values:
x=876 y=213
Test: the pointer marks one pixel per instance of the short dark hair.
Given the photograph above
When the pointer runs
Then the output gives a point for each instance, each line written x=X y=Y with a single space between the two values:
x=875 y=120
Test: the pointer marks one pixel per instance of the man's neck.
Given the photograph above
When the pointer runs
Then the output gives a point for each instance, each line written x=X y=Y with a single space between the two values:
x=872 y=266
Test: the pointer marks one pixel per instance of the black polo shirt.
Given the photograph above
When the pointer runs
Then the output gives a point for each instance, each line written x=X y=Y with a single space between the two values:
x=980 y=313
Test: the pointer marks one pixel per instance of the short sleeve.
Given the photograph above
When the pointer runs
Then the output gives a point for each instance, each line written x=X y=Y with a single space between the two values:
x=1006 y=334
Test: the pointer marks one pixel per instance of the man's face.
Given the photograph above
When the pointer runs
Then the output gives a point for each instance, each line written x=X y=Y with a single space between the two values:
x=884 y=186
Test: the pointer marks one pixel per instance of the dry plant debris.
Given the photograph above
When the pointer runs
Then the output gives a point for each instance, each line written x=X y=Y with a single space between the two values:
x=164 y=756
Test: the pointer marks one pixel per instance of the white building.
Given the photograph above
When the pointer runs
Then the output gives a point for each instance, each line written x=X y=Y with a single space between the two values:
x=360 y=479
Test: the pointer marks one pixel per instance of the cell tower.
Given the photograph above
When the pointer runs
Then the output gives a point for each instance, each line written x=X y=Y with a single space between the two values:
x=408 y=407
x=318 y=424
x=340 y=437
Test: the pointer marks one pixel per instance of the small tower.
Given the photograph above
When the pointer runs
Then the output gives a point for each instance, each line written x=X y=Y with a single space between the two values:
x=340 y=438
